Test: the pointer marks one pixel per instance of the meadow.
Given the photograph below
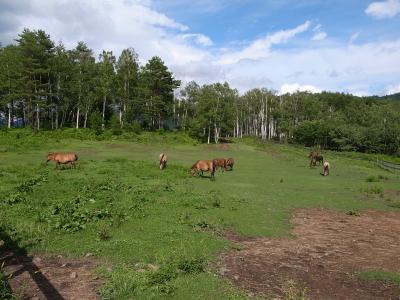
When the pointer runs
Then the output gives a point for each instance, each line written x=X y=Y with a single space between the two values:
x=118 y=206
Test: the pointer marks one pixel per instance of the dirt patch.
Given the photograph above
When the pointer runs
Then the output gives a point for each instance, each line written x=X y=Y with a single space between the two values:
x=224 y=147
x=51 y=278
x=274 y=152
x=322 y=260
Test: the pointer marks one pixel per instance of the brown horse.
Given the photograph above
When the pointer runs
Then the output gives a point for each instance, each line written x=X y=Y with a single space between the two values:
x=62 y=158
x=220 y=163
x=229 y=163
x=320 y=159
x=163 y=161
x=203 y=166
x=313 y=158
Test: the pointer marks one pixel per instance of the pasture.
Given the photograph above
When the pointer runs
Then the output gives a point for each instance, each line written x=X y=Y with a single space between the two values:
x=147 y=233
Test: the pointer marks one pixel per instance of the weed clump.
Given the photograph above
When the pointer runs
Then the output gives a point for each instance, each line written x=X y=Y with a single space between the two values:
x=23 y=189
x=353 y=212
x=374 y=190
x=294 y=291
x=378 y=178
x=192 y=266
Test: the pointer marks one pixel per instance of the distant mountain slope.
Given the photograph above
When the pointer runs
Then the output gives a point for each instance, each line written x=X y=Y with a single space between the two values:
x=395 y=97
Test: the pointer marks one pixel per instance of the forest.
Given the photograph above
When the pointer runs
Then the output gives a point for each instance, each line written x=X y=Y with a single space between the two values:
x=45 y=86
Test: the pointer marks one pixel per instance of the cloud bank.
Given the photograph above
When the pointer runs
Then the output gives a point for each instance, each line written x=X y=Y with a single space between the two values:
x=276 y=60
x=383 y=9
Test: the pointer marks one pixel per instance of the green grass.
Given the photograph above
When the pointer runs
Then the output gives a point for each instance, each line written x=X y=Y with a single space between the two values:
x=119 y=206
x=387 y=278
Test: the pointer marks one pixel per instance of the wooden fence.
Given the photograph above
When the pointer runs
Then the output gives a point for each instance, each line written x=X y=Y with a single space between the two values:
x=388 y=165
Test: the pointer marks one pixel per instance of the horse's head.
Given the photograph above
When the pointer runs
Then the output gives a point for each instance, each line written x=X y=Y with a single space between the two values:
x=49 y=157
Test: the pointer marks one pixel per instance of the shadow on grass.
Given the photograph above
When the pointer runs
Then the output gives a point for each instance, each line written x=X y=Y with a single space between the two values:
x=13 y=255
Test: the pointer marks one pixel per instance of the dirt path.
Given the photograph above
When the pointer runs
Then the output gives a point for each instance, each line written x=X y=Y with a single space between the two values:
x=51 y=278
x=323 y=259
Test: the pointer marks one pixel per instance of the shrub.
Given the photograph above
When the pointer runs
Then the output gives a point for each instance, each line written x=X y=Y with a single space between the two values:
x=115 y=125
x=95 y=121
x=192 y=266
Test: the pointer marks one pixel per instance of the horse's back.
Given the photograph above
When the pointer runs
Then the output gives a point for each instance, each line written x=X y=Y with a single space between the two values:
x=65 y=157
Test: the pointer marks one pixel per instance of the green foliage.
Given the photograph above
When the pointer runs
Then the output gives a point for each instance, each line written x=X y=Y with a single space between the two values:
x=374 y=190
x=115 y=126
x=95 y=121
x=22 y=190
x=49 y=87
x=373 y=178
x=385 y=277
x=310 y=133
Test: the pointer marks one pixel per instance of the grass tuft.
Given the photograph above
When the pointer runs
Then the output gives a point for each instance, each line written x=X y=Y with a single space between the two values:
x=387 y=278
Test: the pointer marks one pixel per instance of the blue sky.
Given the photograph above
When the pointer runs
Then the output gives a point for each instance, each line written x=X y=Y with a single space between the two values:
x=346 y=46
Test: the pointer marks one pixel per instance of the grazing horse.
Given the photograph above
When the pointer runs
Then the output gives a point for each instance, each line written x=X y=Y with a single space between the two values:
x=312 y=156
x=220 y=163
x=326 y=168
x=62 y=158
x=203 y=166
x=319 y=159
x=229 y=163
x=163 y=161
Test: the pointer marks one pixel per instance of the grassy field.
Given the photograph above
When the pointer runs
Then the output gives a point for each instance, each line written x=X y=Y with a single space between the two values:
x=119 y=206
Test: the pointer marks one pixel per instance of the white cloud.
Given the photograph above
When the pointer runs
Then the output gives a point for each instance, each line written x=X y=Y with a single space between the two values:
x=111 y=25
x=393 y=89
x=317 y=28
x=261 y=48
x=199 y=38
x=115 y=25
x=383 y=9
x=353 y=37
x=319 y=36
x=295 y=87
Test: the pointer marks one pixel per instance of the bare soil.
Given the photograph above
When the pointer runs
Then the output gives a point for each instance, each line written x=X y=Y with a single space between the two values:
x=53 y=278
x=224 y=146
x=328 y=250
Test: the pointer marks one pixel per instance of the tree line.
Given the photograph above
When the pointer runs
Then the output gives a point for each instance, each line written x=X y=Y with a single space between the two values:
x=46 y=86
x=49 y=86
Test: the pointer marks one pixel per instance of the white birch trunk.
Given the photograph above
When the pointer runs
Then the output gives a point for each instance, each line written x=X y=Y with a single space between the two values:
x=9 y=116
x=86 y=116
x=77 y=118
x=37 y=117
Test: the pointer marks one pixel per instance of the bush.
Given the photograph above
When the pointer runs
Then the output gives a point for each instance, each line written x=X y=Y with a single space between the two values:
x=311 y=133
x=95 y=121
x=115 y=125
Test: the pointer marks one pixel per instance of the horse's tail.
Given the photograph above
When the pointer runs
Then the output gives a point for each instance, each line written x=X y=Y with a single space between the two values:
x=161 y=158
x=214 y=165
x=76 y=157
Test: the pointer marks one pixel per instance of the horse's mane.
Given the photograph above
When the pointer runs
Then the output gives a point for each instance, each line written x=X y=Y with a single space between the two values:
x=161 y=158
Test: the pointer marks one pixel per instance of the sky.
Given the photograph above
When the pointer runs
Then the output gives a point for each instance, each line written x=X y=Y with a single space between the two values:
x=350 y=46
